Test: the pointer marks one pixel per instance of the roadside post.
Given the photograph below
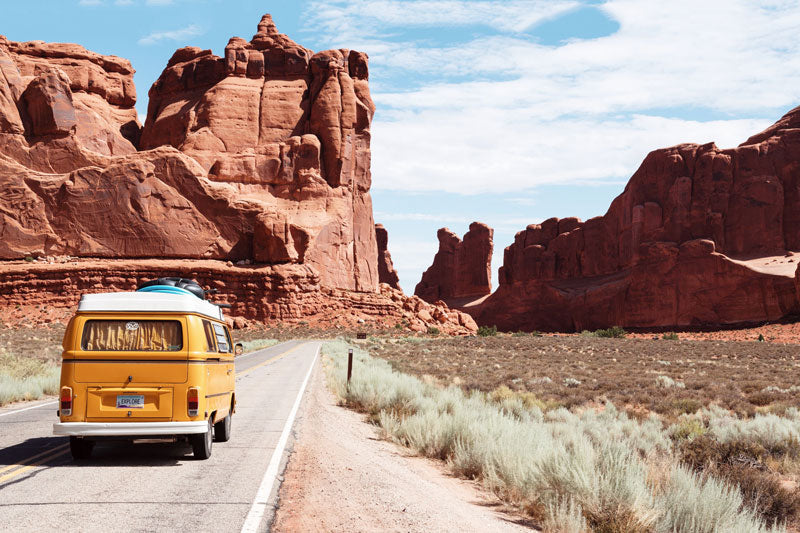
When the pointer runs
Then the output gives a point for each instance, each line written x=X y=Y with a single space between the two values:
x=349 y=365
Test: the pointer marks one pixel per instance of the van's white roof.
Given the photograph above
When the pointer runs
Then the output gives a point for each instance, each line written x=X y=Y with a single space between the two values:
x=149 y=302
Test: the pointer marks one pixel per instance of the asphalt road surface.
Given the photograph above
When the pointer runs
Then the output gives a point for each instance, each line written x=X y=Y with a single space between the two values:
x=157 y=486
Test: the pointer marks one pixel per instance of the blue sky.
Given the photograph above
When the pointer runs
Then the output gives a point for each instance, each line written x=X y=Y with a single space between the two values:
x=503 y=111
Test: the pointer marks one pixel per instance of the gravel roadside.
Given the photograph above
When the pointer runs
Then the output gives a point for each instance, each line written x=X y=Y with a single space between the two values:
x=342 y=477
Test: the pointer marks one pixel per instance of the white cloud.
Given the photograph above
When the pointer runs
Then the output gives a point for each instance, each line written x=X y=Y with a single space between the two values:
x=123 y=2
x=417 y=217
x=359 y=19
x=90 y=2
x=501 y=112
x=495 y=150
x=172 y=35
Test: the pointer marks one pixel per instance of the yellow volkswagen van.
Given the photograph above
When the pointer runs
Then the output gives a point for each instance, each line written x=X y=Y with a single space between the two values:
x=155 y=363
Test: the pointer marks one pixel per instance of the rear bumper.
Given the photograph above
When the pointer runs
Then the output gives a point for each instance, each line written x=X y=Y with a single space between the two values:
x=125 y=429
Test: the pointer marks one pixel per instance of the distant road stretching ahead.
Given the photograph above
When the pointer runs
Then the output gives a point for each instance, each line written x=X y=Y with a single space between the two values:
x=157 y=487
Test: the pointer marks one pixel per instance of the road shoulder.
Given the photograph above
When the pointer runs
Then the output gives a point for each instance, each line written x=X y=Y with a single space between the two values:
x=342 y=477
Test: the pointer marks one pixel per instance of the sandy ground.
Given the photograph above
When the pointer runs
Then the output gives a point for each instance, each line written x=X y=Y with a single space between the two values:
x=342 y=477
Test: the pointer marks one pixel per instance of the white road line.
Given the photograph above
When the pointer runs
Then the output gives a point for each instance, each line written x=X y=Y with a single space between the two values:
x=28 y=408
x=261 y=501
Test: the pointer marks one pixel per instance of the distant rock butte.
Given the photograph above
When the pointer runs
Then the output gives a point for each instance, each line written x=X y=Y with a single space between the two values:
x=386 y=272
x=461 y=270
x=261 y=157
x=698 y=238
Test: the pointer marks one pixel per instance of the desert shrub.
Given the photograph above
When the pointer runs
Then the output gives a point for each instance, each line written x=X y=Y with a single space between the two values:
x=614 y=332
x=432 y=330
x=741 y=463
x=667 y=382
x=698 y=503
x=670 y=336
x=257 y=344
x=686 y=406
x=780 y=435
x=761 y=398
x=570 y=470
x=503 y=395
x=535 y=333
x=687 y=429
x=487 y=331
x=571 y=382
x=519 y=334
x=15 y=389
x=565 y=516
x=398 y=326
x=763 y=492
x=26 y=378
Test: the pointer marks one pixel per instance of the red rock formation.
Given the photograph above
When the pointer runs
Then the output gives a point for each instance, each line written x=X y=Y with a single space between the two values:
x=49 y=291
x=460 y=269
x=670 y=250
x=261 y=155
x=386 y=272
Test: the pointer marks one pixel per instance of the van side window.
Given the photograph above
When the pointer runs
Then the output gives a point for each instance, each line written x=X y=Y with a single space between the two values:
x=210 y=346
x=222 y=339
x=228 y=334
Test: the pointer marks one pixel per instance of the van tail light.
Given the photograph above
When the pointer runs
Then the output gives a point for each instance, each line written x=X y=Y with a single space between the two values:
x=66 y=401
x=193 y=401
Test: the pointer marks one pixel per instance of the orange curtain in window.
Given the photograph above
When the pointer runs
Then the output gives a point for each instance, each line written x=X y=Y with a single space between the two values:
x=132 y=335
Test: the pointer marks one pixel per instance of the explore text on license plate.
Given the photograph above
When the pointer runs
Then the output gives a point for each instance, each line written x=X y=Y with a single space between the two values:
x=130 y=401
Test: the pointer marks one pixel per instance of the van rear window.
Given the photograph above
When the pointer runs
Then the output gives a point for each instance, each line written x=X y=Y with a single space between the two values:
x=132 y=336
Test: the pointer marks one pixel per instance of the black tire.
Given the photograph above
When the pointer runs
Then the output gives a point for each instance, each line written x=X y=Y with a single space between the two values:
x=201 y=442
x=81 y=448
x=222 y=429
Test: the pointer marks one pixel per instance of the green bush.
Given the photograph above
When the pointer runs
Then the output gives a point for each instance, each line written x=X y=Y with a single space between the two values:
x=433 y=330
x=614 y=332
x=487 y=331
x=670 y=336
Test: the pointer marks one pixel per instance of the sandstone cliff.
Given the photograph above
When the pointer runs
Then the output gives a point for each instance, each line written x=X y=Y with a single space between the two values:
x=698 y=237
x=261 y=155
x=461 y=269
x=260 y=158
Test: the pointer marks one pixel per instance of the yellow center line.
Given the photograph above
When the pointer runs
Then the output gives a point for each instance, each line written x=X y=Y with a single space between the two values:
x=271 y=360
x=23 y=462
x=25 y=468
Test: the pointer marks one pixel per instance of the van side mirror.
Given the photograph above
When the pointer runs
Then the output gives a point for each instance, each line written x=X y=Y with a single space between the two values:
x=238 y=348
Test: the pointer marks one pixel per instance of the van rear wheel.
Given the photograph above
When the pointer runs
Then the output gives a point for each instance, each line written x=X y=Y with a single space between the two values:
x=222 y=429
x=201 y=442
x=81 y=449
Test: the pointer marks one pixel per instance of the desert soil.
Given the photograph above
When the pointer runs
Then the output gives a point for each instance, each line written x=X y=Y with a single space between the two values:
x=343 y=477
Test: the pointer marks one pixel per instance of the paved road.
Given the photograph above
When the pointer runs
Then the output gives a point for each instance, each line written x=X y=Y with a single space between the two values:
x=157 y=487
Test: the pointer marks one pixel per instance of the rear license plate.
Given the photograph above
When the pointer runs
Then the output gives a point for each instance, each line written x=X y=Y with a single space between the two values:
x=130 y=401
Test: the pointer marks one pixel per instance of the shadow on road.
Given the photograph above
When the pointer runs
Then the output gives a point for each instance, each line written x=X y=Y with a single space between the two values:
x=13 y=455
x=106 y=453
